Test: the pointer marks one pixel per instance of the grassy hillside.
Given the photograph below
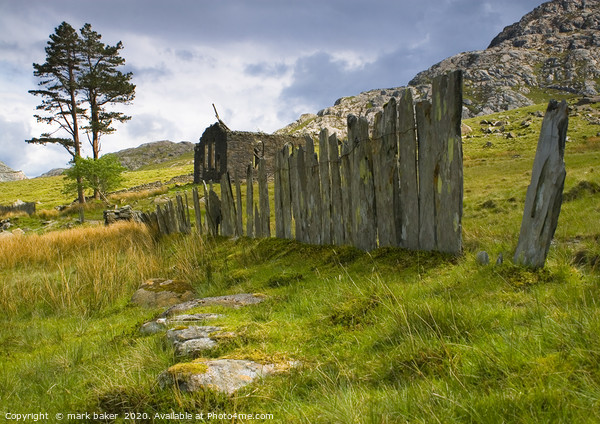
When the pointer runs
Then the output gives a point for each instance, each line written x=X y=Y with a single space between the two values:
x=383 y=337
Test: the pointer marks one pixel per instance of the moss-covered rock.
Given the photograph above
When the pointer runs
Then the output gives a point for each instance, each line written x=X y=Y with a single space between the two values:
x=161 y=293
x=223 y=375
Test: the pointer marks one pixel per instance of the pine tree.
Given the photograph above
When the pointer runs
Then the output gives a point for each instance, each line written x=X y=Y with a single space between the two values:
x=103 y=85
x=59 y=90
x=79 y=81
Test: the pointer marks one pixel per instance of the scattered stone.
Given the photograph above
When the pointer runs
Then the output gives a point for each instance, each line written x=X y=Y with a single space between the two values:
x=511 y=135
x=482 y=258
x=234 y=301
x=195 y=317
x=526 y=124
x=193 y=340
x=18 y=232
x=126 y=213
x=223 y=375
x=178 y=335
x=194 y=347
x=153 y=327
x=160 y=293
x=465 y=129
x=588 y=100
x=500 y=259
x=488 y=145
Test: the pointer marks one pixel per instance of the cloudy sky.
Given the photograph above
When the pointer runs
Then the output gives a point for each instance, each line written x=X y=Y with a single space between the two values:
x=261 y=62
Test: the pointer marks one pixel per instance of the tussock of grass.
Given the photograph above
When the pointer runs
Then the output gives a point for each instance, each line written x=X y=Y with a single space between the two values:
x=83 y=269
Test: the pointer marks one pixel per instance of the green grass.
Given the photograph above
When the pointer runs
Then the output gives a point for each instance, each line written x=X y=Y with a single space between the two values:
x=382 y=337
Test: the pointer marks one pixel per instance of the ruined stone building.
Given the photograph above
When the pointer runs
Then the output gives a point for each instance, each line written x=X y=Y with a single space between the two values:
x=221 y=150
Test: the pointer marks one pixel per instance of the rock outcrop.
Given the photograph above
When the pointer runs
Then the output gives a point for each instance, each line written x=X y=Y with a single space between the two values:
x=9 y=174
x=153 y=153
x=160 y=293
x=552 y=51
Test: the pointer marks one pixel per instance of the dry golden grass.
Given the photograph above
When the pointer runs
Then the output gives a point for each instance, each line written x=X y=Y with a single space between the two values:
x=16 y=214
x=82 y=269
x=47 y=214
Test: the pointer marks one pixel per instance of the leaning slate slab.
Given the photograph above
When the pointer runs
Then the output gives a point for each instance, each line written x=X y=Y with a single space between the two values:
x=223 y=375
x=234 y=301
x=544 y=194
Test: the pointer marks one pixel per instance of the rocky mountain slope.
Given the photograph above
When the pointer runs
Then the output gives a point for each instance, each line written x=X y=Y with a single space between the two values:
x=152 y=153
x=9 y=174
x=553 y=51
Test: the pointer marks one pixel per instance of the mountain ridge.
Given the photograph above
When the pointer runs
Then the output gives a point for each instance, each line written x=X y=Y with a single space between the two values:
x=9 y=174
x=552 y=51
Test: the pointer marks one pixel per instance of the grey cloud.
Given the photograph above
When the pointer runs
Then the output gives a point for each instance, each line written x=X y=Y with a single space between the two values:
x=150 y=127
x=350 y=24
x=266 y=69
x=186 y=55
x=151 y=73
x=12 y=142
x=319 y=79
x=17 y=154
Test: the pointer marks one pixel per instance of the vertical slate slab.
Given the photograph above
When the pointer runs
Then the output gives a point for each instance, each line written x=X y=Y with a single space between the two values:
x=226 y=224
x=337 y=221
x=295 y=194
x=188 y=222
x=448 y=171
x=257 y=223
x=263 y=195
x=313 y=193
x=346 y=182
x=427 y=161
x=162 y=229
x=279 y=233
x=544 y=194
x=170 y=217
x=325 y=187
x=302 y=189
x=249 y=201
x=209 y=219
x=228 y=212
x=197 y=211
x=239 y=221
x=182 y=214
x=213 y=210
x=385 y=174
x=286 y=195
x=407 y=170
x=353 y=183
x=365 y=227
